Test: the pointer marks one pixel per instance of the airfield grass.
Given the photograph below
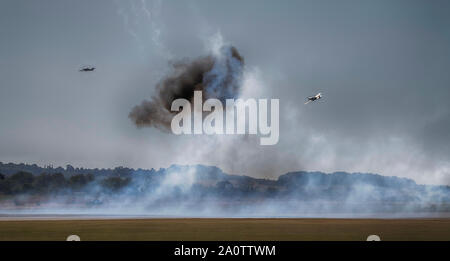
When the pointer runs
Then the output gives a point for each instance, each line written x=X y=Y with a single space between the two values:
x=227 y=229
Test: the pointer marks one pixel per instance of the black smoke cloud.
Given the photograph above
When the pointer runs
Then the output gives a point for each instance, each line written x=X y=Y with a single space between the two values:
x=217 y=75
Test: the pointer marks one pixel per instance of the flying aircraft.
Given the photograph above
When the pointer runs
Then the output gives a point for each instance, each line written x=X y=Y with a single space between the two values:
x=87 y=69
x=314 y=98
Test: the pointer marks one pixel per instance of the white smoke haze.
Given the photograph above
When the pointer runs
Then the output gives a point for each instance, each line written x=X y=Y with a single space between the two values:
x=142 y=21
x=242 y=154
x=202 y=191
x=383 y=112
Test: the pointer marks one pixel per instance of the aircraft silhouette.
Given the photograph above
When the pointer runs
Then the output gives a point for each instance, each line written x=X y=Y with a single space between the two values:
x=87 y=69
x=314 y=98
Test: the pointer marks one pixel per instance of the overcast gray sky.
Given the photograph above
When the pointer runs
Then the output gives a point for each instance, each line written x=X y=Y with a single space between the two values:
x=383 y=67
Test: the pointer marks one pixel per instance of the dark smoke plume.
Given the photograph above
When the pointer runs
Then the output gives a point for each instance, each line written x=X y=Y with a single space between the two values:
x=217 y=76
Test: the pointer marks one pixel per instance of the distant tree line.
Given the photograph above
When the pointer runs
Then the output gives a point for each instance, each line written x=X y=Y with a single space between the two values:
x=26 y=183
x=211 y=181
x=11 y=168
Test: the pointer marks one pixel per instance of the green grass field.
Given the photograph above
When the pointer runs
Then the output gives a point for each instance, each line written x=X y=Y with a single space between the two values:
x=227 y=229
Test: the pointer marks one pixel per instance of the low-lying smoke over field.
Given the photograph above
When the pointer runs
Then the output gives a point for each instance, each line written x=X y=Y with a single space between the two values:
x=204 y=191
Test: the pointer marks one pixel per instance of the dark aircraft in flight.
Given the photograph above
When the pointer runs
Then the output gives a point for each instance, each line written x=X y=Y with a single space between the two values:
x=87 y=69
x=314 y=98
